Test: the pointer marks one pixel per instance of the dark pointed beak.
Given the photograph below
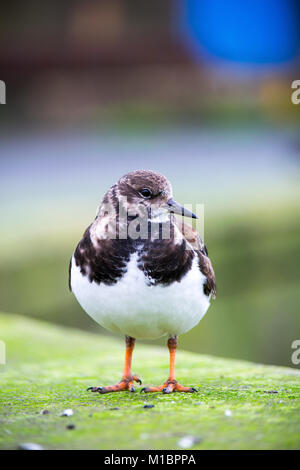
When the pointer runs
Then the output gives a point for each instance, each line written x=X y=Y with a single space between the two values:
x=176 y=208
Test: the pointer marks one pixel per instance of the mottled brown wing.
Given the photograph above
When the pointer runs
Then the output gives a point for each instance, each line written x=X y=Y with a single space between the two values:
x=193 y=237
x=207 y=269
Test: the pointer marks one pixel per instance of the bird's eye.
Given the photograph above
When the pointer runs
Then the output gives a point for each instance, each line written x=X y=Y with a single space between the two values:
x=146 y=193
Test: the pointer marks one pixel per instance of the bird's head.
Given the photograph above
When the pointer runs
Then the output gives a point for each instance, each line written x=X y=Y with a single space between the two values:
x=147 y=190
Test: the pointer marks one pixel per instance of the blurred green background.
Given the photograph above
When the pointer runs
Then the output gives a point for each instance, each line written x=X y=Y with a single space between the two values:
x=97 y=89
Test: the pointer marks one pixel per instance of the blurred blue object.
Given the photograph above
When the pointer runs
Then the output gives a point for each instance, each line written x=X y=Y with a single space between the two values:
x=248 y=31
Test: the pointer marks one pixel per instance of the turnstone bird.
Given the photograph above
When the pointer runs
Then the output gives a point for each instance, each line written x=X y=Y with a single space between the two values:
x=140 y=271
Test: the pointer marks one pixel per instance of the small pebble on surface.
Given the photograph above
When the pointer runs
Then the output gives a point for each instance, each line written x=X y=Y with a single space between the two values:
x=187 y=442
x=30 y=446
x=67 y=412
x=70 y=426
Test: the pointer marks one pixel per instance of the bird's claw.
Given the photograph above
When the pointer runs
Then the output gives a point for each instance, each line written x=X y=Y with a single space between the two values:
x=94 y=389
x=125 y=384
x=137 y=379
x=168 y=387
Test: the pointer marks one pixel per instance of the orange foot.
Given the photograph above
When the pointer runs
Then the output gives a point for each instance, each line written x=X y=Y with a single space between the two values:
x=125 y=384
x=168 y=387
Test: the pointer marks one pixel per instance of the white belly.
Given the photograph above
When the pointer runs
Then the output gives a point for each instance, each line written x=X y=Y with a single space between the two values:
x=133 y=308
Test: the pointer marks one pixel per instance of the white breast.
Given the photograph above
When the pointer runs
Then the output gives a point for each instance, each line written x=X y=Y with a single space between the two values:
x=133 y=308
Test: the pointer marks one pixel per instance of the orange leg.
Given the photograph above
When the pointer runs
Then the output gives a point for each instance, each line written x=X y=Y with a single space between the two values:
x=127 y=380
x=170 y=385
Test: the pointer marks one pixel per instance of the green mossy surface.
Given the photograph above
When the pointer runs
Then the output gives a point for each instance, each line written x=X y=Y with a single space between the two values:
x=50 y=368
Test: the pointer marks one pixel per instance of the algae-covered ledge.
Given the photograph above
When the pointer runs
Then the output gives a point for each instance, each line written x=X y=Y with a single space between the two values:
x=239 y=404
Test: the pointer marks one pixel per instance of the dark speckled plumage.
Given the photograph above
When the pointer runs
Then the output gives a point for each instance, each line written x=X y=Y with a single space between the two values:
x=163 y=261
